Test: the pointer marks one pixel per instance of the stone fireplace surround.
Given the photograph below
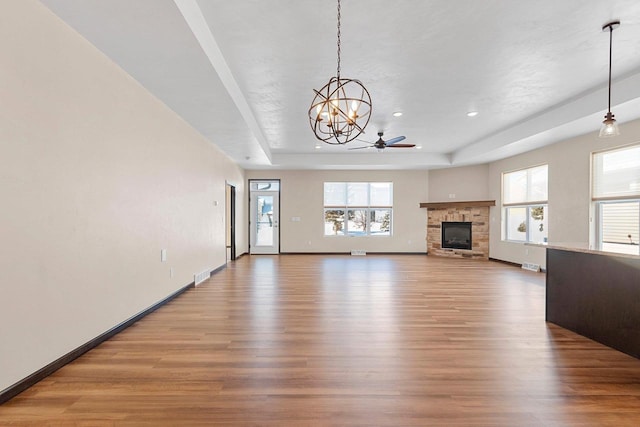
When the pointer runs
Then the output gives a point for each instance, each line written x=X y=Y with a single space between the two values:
x=476 y=212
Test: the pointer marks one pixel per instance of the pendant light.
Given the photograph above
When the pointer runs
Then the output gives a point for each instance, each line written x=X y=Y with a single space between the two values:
x=609 y=126
x=340 y=111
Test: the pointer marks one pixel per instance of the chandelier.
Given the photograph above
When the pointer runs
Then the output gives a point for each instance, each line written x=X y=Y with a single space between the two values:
x=341 y=109
x=609 y=126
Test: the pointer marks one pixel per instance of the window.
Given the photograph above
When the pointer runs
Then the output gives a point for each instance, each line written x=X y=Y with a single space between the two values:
x=358 y=208
x=616 y=194
x=524 y=201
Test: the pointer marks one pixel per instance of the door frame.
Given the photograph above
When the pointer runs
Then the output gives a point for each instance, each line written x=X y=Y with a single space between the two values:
x=276 y=201
x=231 y=221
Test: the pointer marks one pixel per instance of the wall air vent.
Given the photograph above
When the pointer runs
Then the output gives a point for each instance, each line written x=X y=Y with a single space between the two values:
x=530 y=266
x=358 y=252
x=201 y=277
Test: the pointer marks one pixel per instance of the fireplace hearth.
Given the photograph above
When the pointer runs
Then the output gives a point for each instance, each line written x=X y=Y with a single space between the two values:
x=456 y=235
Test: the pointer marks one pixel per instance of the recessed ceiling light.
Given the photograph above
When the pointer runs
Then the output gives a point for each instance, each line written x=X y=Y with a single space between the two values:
x=318 y=147
x=472 y=113
x=397 y=114
x=419 y=147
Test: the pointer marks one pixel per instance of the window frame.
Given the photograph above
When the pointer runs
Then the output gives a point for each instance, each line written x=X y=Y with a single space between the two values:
x=528 y=223
x=368 y=210
x=599 y=199
x=528 y=203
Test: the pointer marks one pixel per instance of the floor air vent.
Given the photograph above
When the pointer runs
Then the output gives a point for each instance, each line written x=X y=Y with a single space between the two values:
x=530 y=266
x=201 y=277
x=358 y=252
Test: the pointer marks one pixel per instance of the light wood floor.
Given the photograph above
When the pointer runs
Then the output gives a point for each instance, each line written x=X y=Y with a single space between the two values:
x=338 y=340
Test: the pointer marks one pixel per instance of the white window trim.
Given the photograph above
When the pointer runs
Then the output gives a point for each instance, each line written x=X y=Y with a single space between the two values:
x=525 y=204
x=367 y=208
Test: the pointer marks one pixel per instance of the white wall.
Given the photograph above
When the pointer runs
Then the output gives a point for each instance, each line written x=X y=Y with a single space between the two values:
x=96 y=177
x=463 y=183
x=302 y=196
x=569 y=191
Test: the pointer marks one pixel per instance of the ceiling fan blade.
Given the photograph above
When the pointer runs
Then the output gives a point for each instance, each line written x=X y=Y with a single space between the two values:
x=394 y=140
x=359 y=148
x=362 y=140
x=401 y=146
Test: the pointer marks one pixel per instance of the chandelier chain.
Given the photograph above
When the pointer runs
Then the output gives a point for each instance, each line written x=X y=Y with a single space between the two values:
x=338 y=70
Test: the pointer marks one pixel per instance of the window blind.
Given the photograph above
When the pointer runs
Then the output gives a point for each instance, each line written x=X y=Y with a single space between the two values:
x=525 y=186
x=616 y=174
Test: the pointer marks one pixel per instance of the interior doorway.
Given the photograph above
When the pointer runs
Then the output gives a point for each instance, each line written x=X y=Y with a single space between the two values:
x=264 y=216
x=230 y=221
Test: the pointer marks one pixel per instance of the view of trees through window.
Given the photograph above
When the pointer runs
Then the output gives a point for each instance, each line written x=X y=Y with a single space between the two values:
x=358 y=208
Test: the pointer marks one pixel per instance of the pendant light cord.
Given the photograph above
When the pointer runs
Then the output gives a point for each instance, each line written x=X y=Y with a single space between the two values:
x=610 y=56
x=338 y=70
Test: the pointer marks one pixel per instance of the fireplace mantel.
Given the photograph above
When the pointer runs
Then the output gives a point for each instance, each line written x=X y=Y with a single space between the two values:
x=459 y=205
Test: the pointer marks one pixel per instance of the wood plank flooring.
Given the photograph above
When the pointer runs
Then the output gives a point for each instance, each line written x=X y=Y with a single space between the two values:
x=307 y=340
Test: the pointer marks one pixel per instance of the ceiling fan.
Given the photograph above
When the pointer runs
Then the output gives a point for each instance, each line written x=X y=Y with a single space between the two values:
x=381 y=144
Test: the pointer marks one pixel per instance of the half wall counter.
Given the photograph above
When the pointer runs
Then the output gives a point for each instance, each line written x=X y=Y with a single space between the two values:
x=595 y=294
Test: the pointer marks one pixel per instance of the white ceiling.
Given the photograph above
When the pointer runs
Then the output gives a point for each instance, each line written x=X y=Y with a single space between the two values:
x=242 y=72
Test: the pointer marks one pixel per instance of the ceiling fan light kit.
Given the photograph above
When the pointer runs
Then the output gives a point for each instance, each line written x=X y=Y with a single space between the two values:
x=609 y=126
x=341 y=110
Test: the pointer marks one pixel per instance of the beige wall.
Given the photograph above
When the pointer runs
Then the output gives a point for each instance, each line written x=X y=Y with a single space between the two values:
x=569 y=191
x=96 y=177
x=459 y=184
x=302 y=196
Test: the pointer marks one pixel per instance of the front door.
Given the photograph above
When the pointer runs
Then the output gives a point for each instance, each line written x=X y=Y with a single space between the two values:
x=265 y=232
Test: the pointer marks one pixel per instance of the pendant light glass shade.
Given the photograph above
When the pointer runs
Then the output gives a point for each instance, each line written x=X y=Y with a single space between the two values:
x=609 y=127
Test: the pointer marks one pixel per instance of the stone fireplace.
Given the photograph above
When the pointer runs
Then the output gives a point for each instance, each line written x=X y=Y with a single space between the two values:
x=447 y=223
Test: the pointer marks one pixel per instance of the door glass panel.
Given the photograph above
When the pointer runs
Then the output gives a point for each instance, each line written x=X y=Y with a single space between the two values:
x=265 y=186
x=264 y=221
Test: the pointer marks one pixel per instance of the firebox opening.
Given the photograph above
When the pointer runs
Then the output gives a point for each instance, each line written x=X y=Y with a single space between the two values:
x=456 y=235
